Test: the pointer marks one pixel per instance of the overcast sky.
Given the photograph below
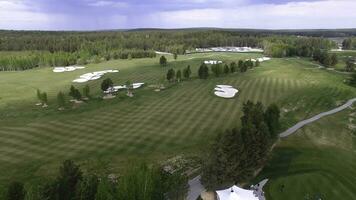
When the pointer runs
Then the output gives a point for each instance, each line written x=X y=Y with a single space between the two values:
x=124 y=14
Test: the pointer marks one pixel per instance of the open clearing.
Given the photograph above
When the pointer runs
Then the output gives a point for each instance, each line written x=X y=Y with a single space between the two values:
x=181 y=119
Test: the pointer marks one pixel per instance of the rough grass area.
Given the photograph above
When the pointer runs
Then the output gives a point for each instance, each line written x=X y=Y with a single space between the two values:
x=152 y=126
x=319 y=161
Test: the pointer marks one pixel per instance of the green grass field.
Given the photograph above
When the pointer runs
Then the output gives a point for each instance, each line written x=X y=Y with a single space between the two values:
x=154 y=126
x=319 y=161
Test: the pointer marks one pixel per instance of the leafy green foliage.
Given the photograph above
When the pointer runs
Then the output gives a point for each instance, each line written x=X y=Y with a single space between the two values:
x=170 y=75
x=15 y=191
x=236 y=154
x=187 y=72
x=203 y=71
x=163 y=61
x=106 y=84
x=75 y=93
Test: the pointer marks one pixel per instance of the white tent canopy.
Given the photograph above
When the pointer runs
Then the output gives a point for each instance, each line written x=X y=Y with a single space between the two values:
x=236 y=193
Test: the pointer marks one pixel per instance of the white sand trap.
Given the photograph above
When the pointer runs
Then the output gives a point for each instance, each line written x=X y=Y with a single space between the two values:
x=212 y=62
x=67 y=69
x=259 y=59
x=120 y=87
x=93 y=76
x=225 y=91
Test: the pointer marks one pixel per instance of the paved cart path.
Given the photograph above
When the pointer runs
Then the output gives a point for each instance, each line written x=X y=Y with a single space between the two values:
x=300 y=124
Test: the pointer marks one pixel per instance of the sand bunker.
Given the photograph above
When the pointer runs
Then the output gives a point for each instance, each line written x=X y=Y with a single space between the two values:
x=225 y=91
x=67 y=69
x=259 y=59
x=93 y=76
x=212 y=62
x=120 y=87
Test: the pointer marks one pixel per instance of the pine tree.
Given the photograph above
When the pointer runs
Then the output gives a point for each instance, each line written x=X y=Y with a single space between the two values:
x=226 y=69
x=163 y=61
x=106 y=84
x=272 y=115
x=187 y=72
x=178 y=75
x=61 y=99
x=233 y=67
x=203 y=71
x=170 y=75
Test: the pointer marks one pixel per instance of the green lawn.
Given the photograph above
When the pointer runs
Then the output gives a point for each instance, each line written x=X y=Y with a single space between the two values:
x=154 y=126
x=318 y=161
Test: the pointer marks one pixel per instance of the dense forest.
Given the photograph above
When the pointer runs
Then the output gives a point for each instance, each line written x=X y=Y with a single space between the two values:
x=41 y=48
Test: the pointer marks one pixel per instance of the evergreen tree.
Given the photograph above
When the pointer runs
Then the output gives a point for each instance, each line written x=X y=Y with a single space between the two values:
x=74 y=92
x=272 y=116
x=15 y=191
x=203 y=71
x=187 y=72
x=61 y=99
x=106 y=84
x=216 y=69
x=241 y=64
x=170 y=75
x=179 y=75
x=226 y=69
x=163 y=61
x=233 y=67
x=69 y=177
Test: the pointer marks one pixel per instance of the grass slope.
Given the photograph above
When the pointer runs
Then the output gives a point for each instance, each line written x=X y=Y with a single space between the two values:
x=319 y=161
x=154 y=126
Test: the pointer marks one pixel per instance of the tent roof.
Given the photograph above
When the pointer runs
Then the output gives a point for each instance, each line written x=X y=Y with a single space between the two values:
x=236 y=193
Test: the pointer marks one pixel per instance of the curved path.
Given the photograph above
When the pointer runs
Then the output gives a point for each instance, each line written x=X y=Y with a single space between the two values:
x=299 y=125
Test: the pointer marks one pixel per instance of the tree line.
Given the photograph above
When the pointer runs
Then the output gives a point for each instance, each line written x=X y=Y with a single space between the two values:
x=236 y=154
x=139 y=182
x=67 y=48
x=30 y=60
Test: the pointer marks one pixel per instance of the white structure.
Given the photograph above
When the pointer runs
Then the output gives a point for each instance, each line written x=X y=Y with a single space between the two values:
x=66 y=69
x=212 y=62
x=225 y=91
x=120 y=87
x=93 y=76
x=229 y=49
x=236 y=193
